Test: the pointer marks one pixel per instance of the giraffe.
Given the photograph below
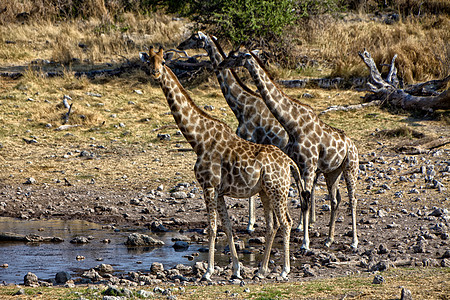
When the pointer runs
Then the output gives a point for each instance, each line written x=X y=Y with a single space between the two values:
x=315 y=146
x=229 y=166
x=255 y=121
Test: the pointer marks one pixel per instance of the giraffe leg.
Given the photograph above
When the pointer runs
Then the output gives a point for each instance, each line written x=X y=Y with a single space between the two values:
x=251 y=215
x=271 y=229
x=305 y=212
x=335 y=198
x=350 y=181
x=222 y=208
x=285 y=224
x=313 y=201
x=211 y=208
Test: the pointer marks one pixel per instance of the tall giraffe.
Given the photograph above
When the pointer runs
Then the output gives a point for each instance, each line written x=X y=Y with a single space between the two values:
x=255 y=121
x=315 y=146
x=229 y=166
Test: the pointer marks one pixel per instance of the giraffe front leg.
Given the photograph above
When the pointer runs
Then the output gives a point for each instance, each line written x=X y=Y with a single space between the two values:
x=211 y=208
x=251 y=215
x=305 y=212
x=222 y=208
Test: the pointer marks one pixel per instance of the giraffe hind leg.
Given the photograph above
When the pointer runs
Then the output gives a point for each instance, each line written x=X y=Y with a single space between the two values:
x=222 y=208
x=335 y=199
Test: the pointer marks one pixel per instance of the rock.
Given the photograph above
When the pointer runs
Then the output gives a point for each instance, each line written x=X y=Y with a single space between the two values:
x=208 y=107
x=104 y=268
x=378 y=279
x=199 y=268
x=137 y=239
x=406 y=294
x=179 y=195
x=445 y=263
x=419 y=247
x=19 y=292
x=30 y=180
x=382 y=265
x=92 y=275
x=157 y=267
x=257 y=240
x=145 y=294
x=157 y=226
x=62 y=277
x=79 y=240
x=446 y=254
x=163 y=137
x=31 y=280
x=308 y=271
x=438 y=212
x=113 y=291
x=181 y=245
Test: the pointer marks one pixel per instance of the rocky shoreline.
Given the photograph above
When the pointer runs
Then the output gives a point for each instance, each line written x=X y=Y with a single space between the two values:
x=403 y=217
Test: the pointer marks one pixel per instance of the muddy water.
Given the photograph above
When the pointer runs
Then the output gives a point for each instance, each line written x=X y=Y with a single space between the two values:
x=46 y=259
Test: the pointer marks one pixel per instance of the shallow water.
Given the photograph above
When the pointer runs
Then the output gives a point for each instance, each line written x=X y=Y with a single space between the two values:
x=47 y=259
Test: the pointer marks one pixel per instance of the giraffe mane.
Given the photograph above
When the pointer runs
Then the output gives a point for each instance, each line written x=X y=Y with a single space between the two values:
x=189 y=99
x=238 y=79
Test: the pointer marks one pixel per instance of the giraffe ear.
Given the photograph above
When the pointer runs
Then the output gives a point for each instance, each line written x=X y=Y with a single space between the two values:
x=152 y=51
x=143 y=56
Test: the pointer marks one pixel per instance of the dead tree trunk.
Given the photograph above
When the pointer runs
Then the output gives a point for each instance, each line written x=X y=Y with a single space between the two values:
x=388 y=91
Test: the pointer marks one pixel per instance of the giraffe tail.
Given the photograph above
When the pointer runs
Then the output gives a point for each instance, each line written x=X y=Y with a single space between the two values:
x=298 y=180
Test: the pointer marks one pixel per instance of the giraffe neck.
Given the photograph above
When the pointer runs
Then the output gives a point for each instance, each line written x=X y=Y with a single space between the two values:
x=230 y=84
x=288 y=112
x=191 y=120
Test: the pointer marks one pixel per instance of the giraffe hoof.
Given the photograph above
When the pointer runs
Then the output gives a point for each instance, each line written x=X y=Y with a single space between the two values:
x=328 y=243
x=250 y=231
x=236 y=276
x=206 y=277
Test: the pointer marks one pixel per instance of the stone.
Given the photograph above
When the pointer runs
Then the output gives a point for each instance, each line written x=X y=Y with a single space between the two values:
x=137 y=239
x=156 y=267
x=378 y=279
x=157 y=226
x=181 y=245
x=92 y=275
x=19 y=292
x=257 y=240
x=79 y=240
x=30 y=180
x=446 y=254
x=145 y=294
x=104 y=268
x=31 y=280
x=62 y=277
x=406 y=294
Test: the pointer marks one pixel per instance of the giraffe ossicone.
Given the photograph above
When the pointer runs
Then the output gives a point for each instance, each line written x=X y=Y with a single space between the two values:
x=228 y=165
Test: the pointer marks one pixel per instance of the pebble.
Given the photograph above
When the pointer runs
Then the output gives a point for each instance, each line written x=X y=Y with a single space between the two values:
x=378 y=279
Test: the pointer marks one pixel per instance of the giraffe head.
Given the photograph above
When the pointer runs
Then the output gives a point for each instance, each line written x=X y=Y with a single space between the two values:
x=195 y=41
x=154 y=61
x=235 y=59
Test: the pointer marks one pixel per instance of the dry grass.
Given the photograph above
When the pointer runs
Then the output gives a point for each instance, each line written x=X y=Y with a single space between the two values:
x=423 y=284
x=421 y=45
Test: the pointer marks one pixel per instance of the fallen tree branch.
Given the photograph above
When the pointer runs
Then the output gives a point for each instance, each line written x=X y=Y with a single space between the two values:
x=349 y=107
x=388 y=92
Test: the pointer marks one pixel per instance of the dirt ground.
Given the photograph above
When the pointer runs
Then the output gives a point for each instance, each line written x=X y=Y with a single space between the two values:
x=402 y=213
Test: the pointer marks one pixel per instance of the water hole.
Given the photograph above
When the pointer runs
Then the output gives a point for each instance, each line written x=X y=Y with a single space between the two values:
x=47 y=259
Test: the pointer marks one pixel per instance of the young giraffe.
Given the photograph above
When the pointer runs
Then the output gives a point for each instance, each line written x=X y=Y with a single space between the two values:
x=229 y=166
x=313 y=145
x=255 y=121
